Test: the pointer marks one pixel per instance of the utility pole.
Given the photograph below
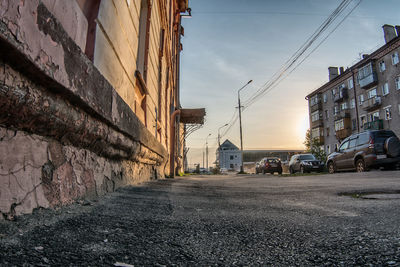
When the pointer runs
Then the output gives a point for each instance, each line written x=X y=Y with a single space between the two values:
x=240 y=123
x=207 y=151
x=219 y=145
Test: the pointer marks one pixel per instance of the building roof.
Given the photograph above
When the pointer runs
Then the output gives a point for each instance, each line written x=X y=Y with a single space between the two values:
x=228 y=145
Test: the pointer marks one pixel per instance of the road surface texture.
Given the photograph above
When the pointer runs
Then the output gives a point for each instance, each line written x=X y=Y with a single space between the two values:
x=346 y=219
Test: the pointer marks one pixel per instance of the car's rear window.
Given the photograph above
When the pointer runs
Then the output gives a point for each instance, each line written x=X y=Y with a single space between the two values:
x=307 y=157
x=381 y=136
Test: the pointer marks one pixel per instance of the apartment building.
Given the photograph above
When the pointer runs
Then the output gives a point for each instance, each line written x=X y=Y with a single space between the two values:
x=89 y=98
x=364 y=96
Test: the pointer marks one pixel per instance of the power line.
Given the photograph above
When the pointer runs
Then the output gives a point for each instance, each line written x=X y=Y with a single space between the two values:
x=282 y=72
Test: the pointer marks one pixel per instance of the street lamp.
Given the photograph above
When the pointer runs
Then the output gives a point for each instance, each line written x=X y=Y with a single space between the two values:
x=206 y=152
x=240 y=122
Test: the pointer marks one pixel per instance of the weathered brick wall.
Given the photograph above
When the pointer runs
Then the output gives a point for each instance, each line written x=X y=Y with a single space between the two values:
x=65 y=133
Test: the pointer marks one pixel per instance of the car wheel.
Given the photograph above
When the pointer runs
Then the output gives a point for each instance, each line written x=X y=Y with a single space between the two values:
x=360 y=165
x=280 y=172
x=272 y=173
x=291 y=170
x=302 y=169
x=331 y=167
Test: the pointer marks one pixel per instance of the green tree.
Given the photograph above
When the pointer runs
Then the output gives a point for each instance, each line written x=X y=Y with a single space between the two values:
x=314 y=146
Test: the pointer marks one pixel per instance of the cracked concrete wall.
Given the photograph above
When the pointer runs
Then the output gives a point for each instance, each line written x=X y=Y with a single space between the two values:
x=65 y=133
x=38 y=172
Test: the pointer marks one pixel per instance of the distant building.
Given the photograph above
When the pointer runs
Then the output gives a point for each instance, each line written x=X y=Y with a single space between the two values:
x=364 y=96
x=229 y=156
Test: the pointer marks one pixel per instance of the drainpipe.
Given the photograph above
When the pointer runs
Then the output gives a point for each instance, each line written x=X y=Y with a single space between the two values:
x=356 y=100
x=172 y=143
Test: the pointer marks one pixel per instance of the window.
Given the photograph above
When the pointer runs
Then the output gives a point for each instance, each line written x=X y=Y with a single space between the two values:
x=335 y=110
x=360 y=99
x=385 y=89
x=336 y=146
x=333 y=92
x=388 y=113
x=395 y=58
x=325 y=98
x=328 y=149
x=350 y=83
x=353 y=143
x=326 y=114
x=373 y=116
x=90 y=9
x=371 y=93
x=344 y=146
x=327 y=130
x=363 y=120
x=315 y=133
x=365 y=71
x=382 y=66
x=344 y=106
x=315 y=116
x=231 y=166
x=354 y=124
x=314 y=100
x=231 y=157
x=352 y=103
x=363 y=139
x=397 y=82
x=339 y=125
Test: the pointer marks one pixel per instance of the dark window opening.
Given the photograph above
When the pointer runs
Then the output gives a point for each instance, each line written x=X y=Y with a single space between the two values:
x=90 y=9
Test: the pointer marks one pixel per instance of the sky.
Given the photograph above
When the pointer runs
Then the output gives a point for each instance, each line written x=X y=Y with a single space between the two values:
x=229 y=42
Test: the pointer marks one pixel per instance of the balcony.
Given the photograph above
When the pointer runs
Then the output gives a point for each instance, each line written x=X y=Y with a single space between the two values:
x=316 y=107
x=342 y=114
x=374 y=125
x=369 y=80
x=342 y=134
x=317 y=134
x=317 y=123
x=342 y=95
x=372 y=103
x=319 y=139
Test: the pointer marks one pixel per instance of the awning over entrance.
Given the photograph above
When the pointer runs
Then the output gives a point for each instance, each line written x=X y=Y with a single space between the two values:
x=193 y=116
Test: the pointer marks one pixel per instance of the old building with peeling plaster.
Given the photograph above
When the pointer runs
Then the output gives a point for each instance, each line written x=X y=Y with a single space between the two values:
x=89 y=98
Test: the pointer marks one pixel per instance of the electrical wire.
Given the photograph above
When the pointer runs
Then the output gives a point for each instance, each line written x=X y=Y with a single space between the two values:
x=283 y=71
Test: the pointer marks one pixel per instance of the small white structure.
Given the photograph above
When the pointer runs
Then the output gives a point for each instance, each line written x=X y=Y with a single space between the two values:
x=229 y=156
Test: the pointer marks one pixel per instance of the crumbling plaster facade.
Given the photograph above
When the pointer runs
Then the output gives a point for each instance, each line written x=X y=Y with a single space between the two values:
x=65 y=132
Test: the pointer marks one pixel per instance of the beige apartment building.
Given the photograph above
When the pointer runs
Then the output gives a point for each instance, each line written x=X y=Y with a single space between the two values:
x=89 y=98
x=361 y=97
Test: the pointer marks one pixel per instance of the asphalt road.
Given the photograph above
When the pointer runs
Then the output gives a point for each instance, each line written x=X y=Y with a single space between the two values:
x=346 y=219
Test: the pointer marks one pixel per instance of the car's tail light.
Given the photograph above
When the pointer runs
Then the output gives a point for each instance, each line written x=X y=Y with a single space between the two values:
x=371 y=142
x=266 y=164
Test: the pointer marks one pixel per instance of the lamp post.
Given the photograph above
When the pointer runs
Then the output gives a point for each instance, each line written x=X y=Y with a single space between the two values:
x=240 y=123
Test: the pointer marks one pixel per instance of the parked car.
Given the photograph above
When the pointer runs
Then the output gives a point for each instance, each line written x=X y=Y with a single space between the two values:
x=305 y=163
x=362 y=151
x=269 y=165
